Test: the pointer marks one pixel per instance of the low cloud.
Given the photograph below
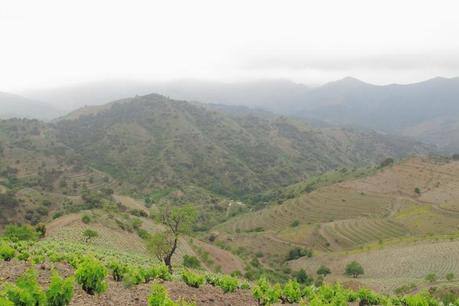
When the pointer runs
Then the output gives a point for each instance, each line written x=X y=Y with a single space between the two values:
x=449 y=61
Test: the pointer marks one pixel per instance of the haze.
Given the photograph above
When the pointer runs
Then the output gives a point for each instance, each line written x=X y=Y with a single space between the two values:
x=51 y=43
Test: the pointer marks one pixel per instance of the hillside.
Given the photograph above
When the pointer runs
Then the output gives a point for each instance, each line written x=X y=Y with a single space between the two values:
x=152 y=141
x=383 y=213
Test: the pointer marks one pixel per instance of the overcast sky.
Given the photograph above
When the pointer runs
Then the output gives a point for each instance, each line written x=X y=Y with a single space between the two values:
x=48 y=43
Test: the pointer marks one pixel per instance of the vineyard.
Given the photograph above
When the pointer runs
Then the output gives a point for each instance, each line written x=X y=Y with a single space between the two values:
x=59 y=274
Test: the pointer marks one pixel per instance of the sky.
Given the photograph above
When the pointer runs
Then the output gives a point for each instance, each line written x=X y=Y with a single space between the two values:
x=50 y=43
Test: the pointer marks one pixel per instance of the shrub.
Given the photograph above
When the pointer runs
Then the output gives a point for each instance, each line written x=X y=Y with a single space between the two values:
x=192 y=279
x=296 y=253
x=89 y=234
x=6 y=251
x=228 y=283
x=323 y=270
x=354 y=269
x=449 y=276
x=295 y=223
x=191 y=262
x=303 y=278
x=118 y=270
x=159 y=296
x=60 y=291
x=5 y=301
x=431 y=277
x=20 y=232
x=160 y=271
x=86 y=219
x=291 y=292
x=91 y=274
x=417 y=190
x=132 y=277
x=368 y=297
x=27 y=290
x=264 y=293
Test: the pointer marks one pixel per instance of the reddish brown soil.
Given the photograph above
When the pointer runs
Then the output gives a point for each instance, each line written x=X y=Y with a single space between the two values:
x=118 y=294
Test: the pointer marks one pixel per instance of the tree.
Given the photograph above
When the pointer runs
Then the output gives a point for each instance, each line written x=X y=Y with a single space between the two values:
x=178 y=221
x=354 y=269
x=89 y=234
x=303 y=278
x=323 y=270
x=431 y=277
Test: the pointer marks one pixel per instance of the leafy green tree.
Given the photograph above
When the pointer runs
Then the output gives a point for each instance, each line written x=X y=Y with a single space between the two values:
x=354 y=269
x=323 y=270
x=178 y=221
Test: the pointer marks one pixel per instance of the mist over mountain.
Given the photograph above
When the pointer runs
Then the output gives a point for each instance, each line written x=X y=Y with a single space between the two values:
x=17 y=106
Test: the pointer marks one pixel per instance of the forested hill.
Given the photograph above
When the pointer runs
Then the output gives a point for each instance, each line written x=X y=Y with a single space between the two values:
x=153 y=141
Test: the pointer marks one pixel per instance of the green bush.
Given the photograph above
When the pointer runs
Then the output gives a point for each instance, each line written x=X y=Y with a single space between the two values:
x=160 y=271
x=91 y=274
x=118 y=270
x=159 y=296
x=228 y=283
x=20 y=232
x=431 y=277
x=192 y=279
x=60 y=291
x=6 y=251
x=26 y=291
x=86 y=219
x=4 y=301
x=132 y=277
x=291 y=292
x=191 y=262
x=264 y=294
x=296 y=253
x=368 y=297
x=323 y=270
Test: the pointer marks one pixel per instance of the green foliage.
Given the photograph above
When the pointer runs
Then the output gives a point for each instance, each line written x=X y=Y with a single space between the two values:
x=303 y=278
x=192 y=279
x=20 y=232
x=449 y=276
x=354 y=269
x=417 y=190
x=291 y=292
x=296 y=253
x=191 y=262
x=91 y=274
x=295 y=223
x=6 y=251
x=60 y=291
x=118 y=270
x=89 y=234
x=228 y=283
x=264 y=293
x=368 y=297
x=159 y=297
x=431 y=277
x=86 y=219
x=323 y=270
x=420 y=299
x=26 y=291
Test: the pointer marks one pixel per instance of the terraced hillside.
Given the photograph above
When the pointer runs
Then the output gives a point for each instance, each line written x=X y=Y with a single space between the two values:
x=361 y=216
